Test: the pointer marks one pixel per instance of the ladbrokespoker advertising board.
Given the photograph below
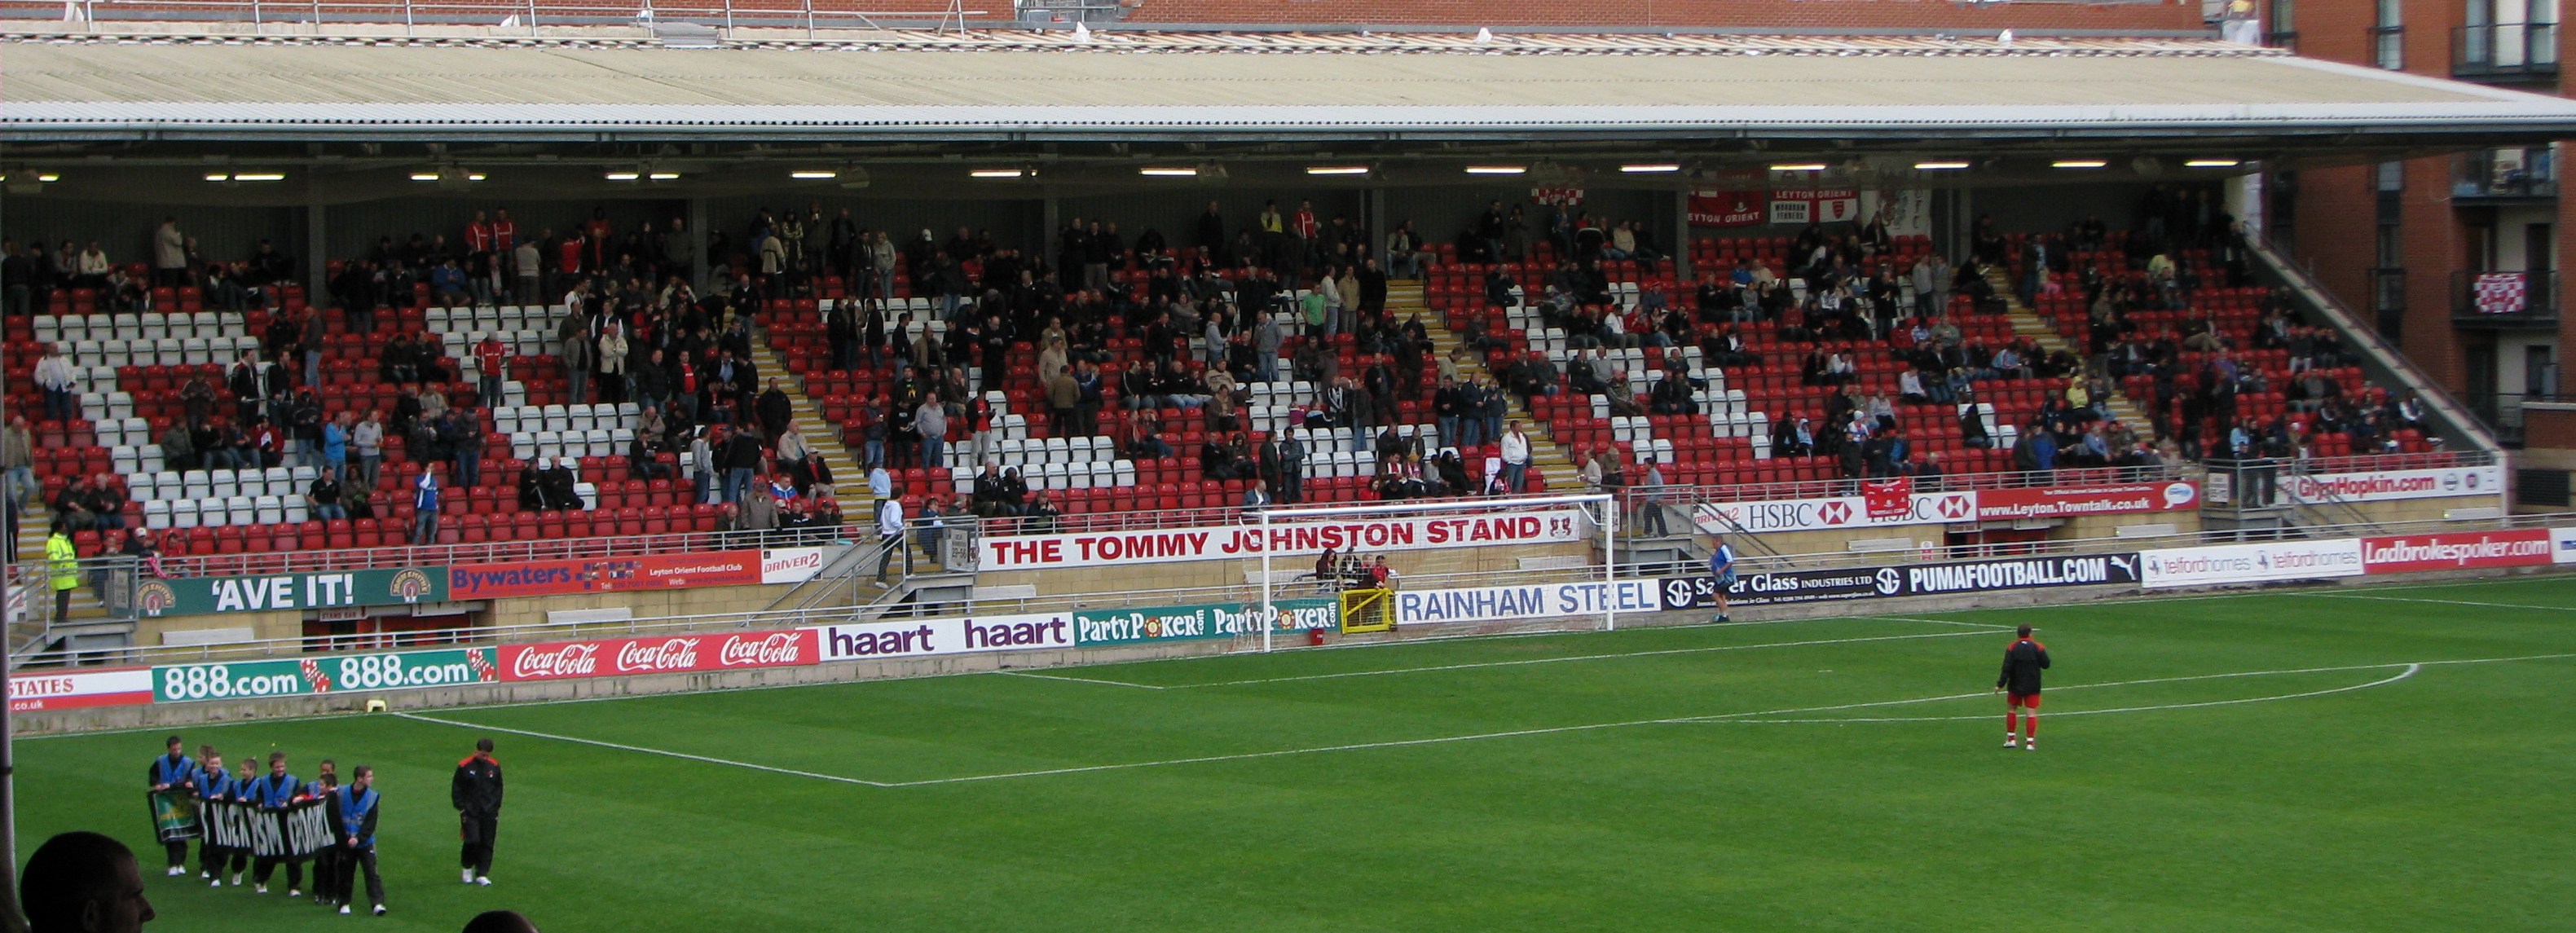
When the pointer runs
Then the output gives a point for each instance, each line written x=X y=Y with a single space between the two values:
x=389 y=670
x=2472 y=550
x=1888 y=582
x=658 y=654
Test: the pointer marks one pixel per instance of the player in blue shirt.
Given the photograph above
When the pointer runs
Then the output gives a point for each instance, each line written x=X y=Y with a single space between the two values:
x=173 y=770
x=1721 y=565
x=213 y=784
x=357 y=806
x=275 y=789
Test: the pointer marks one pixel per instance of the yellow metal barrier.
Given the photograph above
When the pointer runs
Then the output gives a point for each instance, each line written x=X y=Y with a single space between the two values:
x=1370 y=610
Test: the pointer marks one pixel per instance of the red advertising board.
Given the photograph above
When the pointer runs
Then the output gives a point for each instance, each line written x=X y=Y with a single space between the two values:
x=2458 y=550
x=666 y=654
x=2048 y=502
x=603 y=575
x=77 y=688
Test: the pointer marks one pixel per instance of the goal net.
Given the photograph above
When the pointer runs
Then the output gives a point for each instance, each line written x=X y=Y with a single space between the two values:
x=1448 y=566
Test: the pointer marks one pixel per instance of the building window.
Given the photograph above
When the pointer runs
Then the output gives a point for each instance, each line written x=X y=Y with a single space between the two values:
x=2388 y=37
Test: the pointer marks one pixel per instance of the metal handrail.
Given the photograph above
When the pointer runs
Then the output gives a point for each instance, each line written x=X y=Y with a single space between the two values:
x=728 y=14
x=771 y=620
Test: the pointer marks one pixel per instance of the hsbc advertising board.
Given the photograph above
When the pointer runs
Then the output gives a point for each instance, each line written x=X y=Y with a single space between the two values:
x=1923 y=508
x=2223 y=564
x=2393 y=485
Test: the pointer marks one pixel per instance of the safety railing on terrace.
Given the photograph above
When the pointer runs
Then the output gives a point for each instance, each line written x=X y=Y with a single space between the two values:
x=1284 y=586
x=527 y=15
x=494 y=552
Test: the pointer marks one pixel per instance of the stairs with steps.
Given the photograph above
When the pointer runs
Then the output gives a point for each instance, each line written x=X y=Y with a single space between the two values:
x=34 y=525
x=2027 y=322
x=849 y=476
x=1550 y=458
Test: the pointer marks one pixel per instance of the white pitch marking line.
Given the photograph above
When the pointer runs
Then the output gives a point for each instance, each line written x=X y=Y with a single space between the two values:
x=1578 y=657
x=1081 y=680
x=2444 y=602
x=1983 y=625
x=2410 y=671
x=644 y=750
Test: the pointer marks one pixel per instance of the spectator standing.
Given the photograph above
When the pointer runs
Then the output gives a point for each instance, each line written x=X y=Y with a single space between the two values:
x=1516 y=457
x=476 y=793
x=491 y=359
x=932 y=421
x=169 y=254
x=369 y=438
x=17 y=461
x=424 y=503
x=741 y=458
x=54 y=375
x=889 y=533
x=62 y=563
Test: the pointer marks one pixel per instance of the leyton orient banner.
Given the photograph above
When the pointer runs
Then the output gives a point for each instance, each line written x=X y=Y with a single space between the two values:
x=665 y=654
x=603 y=575
x=1233 y=542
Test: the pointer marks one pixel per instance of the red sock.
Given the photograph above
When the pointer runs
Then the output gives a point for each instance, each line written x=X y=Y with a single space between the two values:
x=2032 y=729
x=2012 y=721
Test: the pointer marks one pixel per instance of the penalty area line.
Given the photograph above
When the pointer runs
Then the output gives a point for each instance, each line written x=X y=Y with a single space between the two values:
x=1523 y=662
x=646 y=751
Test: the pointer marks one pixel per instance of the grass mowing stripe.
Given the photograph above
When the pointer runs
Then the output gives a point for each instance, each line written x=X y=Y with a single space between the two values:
x=1081 y=680
x=1578 y=657
x=642 y=750
x=2410 y=671
x=2444 y=602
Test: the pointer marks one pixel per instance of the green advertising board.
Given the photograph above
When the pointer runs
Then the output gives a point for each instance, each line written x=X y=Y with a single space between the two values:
x=338 y=589
x=1184 y=623
x=389 y=670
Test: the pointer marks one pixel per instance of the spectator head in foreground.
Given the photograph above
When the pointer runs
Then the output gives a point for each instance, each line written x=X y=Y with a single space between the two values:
x=83 y=882
x=499 y=921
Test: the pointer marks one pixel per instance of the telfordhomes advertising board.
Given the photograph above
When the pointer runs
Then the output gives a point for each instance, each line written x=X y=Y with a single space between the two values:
x=2223 y=564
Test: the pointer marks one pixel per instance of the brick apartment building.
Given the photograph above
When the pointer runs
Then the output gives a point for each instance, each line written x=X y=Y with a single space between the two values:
x=2412 y=241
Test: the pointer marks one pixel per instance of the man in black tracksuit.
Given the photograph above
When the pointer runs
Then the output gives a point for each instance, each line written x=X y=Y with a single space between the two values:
x=476 y=792
x=2022 y=664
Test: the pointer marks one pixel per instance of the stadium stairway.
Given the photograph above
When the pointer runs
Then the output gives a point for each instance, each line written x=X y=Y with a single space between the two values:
x=2028 y=323
x=1551 y=459
x=33 y=526
x=849 y=479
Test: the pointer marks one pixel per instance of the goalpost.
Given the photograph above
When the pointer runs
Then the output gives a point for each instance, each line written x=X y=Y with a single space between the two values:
x=1456 y=543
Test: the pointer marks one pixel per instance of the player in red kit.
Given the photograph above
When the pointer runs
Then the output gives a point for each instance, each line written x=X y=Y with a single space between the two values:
x=2020 y=684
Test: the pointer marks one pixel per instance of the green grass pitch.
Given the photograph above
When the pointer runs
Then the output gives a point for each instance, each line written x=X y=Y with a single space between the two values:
x=1816 y=779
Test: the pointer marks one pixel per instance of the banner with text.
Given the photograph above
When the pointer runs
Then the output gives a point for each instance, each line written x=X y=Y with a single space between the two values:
x=390 y=670
x=1182 y=623
x=603 y=575
x=1537 y=601
x=914 y=638
x=1235 y=542
x=293 y=832
x=77 y=688
x=341 y=589
x=1887 y=582
x=2392 y=485
x=2222 y=564
x=1729 y=208
x=2068 y=502
x=797 y=564
x=2471 y=550
x=667 y=654
x=1915 y=508
x=1796 y=208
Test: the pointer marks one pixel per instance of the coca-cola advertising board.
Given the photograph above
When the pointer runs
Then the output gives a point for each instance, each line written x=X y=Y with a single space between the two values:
x=661 y=654
x=603 y=575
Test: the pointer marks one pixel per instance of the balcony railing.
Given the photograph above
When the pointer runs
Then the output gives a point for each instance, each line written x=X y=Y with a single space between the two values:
x=2505 y=174
x=2505 y=50
x=2505 y=298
